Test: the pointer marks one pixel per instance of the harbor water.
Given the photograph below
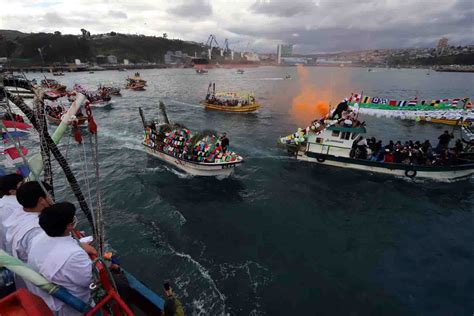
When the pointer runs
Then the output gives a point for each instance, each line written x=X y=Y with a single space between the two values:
x=282 y=237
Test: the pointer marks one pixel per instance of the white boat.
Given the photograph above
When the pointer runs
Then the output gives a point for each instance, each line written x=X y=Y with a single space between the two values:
x=218 y=167
x=101 y=104
x=215 y=169
x=18 y=85
x=333 y=145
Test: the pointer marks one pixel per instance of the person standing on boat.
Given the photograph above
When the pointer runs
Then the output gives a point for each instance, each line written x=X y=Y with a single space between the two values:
x=224 y=142
x=444 y=140
x=8 y=203
x=341 y=107
x=60 y=258
x=23 y=225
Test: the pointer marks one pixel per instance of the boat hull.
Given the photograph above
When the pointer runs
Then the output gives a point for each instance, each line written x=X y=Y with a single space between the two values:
x=445 y=121
x=101 y=104
x=233 y=109
x=56 y=121
x=441 y=173
x=194 y=168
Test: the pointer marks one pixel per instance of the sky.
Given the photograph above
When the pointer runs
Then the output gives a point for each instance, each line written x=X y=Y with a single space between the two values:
x=312 y=26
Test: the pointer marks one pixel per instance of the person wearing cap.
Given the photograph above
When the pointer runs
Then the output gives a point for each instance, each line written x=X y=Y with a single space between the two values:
x=341 y=107
x=60 y=258
x=8 y=203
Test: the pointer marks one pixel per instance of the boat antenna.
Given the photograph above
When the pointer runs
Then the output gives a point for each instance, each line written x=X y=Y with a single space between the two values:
x=163 y=113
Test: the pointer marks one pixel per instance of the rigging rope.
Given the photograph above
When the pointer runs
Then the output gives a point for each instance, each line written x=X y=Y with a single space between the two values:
x=18 y=101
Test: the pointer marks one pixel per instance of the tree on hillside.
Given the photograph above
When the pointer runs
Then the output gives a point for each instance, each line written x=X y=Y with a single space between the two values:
x=165 y=35
x=57 y=33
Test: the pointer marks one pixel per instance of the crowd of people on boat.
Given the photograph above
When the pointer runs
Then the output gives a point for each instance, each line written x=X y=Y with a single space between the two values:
x=41 y=234
x=178 y=143
x=409 y=152
x=230 y=102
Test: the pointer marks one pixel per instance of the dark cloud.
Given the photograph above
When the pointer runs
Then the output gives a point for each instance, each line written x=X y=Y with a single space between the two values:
x=117 y=14
x=282 y=8
x=192 y=9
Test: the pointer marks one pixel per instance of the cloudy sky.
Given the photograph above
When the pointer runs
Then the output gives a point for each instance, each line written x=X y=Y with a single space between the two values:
x=259 y=25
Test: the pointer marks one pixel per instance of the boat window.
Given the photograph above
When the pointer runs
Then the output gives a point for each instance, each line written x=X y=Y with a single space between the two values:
x=354 y=135
x=319 y=140
x=335 y=133
x=345 y=135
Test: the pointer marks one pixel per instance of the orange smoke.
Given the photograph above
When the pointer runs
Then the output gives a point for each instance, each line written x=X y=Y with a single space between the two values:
x=311 y=103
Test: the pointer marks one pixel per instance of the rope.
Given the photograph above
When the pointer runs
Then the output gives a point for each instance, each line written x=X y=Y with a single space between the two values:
x=18 y=101
x=85 y=172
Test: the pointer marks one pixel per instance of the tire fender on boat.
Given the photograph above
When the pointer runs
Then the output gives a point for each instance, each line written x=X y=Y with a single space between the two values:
x=410 y=173
x=321 y=159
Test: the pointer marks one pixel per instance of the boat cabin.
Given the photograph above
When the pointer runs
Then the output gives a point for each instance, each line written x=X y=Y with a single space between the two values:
x=334 y=140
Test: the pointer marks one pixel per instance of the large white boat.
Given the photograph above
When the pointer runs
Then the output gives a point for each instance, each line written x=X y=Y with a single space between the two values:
x=329 y=143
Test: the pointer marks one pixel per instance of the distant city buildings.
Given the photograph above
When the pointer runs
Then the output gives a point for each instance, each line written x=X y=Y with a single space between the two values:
x=284 y=51
x=176 y=58
x=111 y=59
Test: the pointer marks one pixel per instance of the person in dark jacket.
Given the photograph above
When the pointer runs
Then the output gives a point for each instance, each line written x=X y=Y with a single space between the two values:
x=444 y=140
x=341 y=107
x=224 y=142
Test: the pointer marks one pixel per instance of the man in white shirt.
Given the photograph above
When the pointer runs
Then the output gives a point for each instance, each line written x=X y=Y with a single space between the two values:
x=60 y=258
x=23 y=224
x=8 y=203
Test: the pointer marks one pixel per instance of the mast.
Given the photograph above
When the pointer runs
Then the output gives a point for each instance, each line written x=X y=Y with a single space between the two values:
x=163 y=113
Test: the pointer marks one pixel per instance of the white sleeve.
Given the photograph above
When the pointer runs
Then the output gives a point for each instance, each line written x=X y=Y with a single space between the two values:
x=78 y=269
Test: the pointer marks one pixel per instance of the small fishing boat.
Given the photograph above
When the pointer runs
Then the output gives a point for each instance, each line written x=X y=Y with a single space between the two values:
x=229 y=101
x=446 y=121
x=17 y=85
x=240 y=71
x=287 y=77
x=136 y=83
x=53 y=84
x=327 y=142
x=110 y=88
x=54 y=114
x=99 y=98
x=199 y=154
x=201 y=71
x=58 y=73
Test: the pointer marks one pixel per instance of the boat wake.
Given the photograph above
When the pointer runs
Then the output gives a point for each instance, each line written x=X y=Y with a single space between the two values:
x=185 y=103
x=210 y=300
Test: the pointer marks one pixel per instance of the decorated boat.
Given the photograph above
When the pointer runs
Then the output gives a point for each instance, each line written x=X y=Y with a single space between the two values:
x=114 y=290
x=342 y=144
x=55 y=112
x=110 y=88
x=240 y=71
x=229 y=101
x=198 y=154
x=456 y=111
x=52 y=84
x=99 y=98
x=136 y=83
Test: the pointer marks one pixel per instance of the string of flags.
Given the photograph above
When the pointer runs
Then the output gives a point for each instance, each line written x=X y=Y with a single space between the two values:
x=390 y=104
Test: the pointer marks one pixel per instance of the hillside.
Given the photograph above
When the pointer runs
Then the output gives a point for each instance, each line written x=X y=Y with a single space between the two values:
x=23 y=48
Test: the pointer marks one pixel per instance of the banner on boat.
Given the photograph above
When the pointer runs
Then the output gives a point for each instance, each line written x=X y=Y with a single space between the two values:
x=413 y=104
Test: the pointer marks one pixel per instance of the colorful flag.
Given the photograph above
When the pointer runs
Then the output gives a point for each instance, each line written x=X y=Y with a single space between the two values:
x=375 y=100
x=355 y=97
x=402 y=103
x=13 y=152
x=455 y=101
x=23 y=170
x=13 y=134
x=412 y=102
x=392 y=102
x=383 y=101
x=17 y=125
